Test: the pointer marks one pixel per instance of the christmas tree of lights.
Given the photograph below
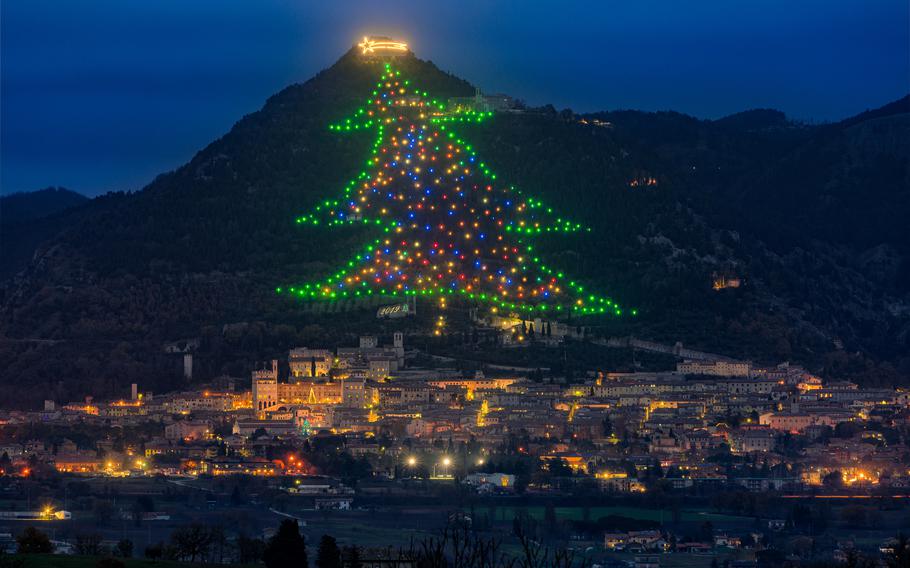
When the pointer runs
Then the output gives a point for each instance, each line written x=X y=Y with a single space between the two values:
x=446 y=226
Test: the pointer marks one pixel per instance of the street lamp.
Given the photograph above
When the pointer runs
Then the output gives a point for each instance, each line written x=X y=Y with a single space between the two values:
x=412 y=461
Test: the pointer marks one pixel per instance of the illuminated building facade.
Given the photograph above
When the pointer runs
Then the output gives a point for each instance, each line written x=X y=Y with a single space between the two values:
x=265 y=388
x=306 y=362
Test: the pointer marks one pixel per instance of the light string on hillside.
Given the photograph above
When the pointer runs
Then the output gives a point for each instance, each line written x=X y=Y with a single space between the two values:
x=446 y=227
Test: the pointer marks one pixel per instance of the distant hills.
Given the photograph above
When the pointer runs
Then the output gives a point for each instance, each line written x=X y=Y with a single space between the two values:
x=25 y=222
x=23 y=207
x=810 y=218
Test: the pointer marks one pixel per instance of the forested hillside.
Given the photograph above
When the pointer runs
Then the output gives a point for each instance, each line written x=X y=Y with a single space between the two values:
x=27 y=220
x=809 y=218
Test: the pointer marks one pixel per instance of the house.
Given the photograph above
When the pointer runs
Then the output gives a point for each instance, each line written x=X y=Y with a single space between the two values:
x=233 y=466
x=619 y=483
x=270 y=427
x=615 y=541
x=188 y=430
x=77 y=463
x=645 y=540
x=334 y=503
x=497 y=480
x=715 y=368
x=760 y=484
x=728 y=541
x=748 y=440
x=693 y=547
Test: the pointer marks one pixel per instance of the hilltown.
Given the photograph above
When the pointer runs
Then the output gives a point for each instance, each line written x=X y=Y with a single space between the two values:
x=709 y=423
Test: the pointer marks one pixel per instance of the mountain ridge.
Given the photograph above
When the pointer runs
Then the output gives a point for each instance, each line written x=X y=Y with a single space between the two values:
x=203 y=246
x=24 y=206
x=29 y=218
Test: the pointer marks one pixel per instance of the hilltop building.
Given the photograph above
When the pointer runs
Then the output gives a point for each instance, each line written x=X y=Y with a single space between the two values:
x=482 y=103
x=716 y=368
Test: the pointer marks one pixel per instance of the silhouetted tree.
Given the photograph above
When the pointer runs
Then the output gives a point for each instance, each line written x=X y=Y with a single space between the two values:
x=192 y=541
x=287 y=548
x=250 y=550
x=125 y=548
x=33 y=541
x=549 y=516
x=154 y=551
x=108 y=562
x=352 y=557
x=328 y=555
x=834 y=480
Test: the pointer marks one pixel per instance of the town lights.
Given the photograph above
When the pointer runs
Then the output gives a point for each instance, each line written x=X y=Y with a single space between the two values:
x=445 y=462
x=440 y=325
x=480 y=461
x=412 y=461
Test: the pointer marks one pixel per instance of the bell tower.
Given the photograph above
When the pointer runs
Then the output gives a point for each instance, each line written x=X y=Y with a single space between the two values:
x=265 y=389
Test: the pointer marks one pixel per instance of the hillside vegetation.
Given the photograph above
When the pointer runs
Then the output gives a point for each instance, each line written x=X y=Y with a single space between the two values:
x=811 y=219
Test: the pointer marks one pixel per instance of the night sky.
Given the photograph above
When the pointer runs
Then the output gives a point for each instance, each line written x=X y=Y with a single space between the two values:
x=105 y=94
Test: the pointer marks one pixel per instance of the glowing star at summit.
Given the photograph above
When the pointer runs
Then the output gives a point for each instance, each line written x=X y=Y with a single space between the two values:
x=381 y=45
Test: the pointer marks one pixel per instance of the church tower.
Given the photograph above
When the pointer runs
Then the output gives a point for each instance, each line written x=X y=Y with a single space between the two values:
x=265 y=389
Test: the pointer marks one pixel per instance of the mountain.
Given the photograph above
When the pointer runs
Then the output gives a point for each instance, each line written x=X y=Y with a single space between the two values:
x=755 y=119
x=27 y=206
x=27 y=220
x=808 y=218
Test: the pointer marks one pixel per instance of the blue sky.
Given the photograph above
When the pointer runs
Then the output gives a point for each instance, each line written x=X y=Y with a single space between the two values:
x=103 y=95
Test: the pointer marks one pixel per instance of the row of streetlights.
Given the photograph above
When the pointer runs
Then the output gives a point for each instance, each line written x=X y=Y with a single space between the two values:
x=445 y=462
